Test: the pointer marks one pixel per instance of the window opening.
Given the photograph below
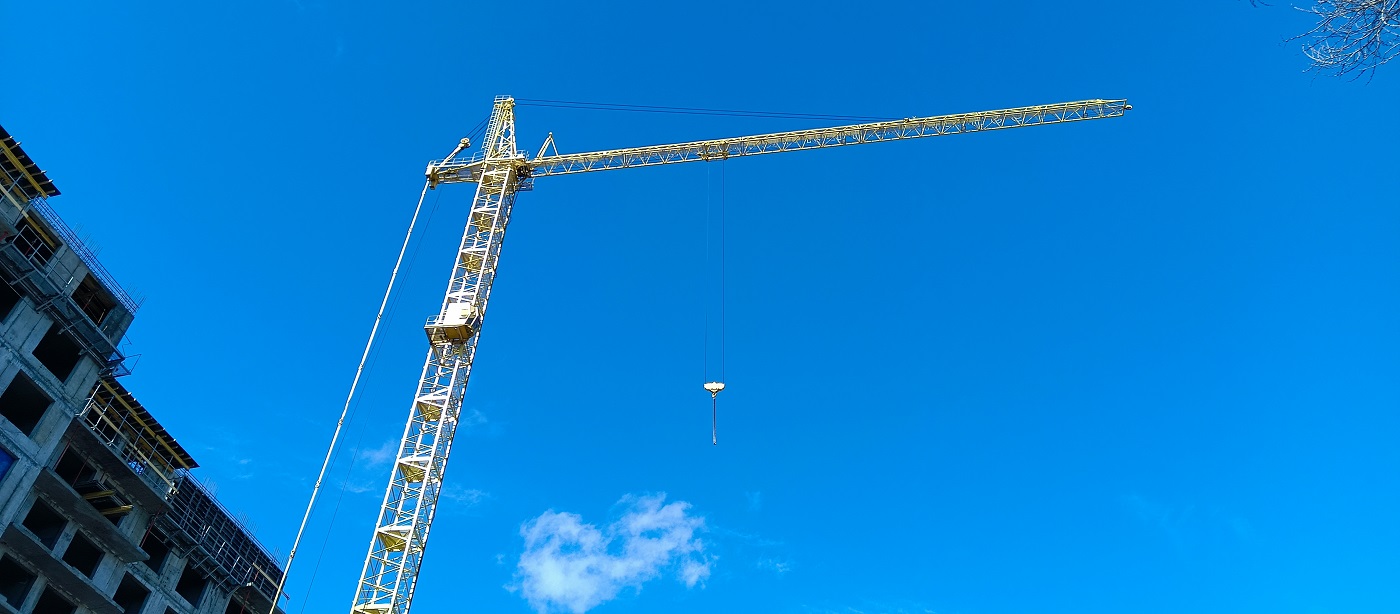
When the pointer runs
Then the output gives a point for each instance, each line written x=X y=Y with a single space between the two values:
x=6 y=460
x=23 y=403
x=73 y=468
x=110 y=504
x=131 y=595
x=83 y=555
x=45 y=523
x=93 y=299
x=191 y=585
x=84 y=479
x=106 y=499
x=15 y=582
x=59 y=352
x=52 y=603
x=9 y=297
x=156 y=548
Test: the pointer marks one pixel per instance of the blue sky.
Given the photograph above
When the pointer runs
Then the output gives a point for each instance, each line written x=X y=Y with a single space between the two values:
x=1145 y=364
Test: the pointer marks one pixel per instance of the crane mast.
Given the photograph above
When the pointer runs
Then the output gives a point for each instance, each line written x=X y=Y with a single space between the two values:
x=390 y=573
x=396 y=549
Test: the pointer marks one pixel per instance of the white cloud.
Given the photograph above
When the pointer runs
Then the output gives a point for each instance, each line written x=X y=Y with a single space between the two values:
x=368 y=470
x=572 y=566
x=755 y=500
x=777 y=566
x=380 y=456
x=471 y=418
x=463 y=497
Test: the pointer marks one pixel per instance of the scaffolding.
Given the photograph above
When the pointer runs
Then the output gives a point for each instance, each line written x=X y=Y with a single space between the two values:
x=202 y=529
x=128 y=430
x=217 y=542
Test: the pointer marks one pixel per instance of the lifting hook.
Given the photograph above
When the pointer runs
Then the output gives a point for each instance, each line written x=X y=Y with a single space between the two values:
x=713 y=388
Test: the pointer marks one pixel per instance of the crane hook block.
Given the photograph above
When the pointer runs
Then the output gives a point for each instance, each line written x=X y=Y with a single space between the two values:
x=714 y=387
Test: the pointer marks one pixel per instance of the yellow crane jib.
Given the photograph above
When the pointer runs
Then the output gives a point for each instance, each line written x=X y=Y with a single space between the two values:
x=457 y=171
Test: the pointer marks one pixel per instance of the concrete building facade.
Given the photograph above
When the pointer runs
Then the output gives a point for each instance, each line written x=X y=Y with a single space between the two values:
x=99 y=512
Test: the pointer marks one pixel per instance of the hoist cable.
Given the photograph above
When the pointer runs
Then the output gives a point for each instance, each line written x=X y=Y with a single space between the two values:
x=709 y=217
x=714 y=397
x=320 y=554
x=638 y=108
x=721 y=269
x=335 y=437
x=704 y=272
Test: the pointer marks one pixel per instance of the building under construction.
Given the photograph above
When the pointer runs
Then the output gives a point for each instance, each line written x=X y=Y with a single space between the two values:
x=98 y=510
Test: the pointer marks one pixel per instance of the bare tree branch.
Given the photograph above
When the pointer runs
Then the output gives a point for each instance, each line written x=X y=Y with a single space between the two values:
x=1352 y=36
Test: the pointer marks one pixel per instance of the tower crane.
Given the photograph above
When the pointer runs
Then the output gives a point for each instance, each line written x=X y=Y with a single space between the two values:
x=500 y=171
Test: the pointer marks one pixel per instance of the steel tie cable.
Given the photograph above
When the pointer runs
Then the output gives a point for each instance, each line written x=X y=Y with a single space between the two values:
x=393 y=306
x=533 y=101
x=603 y=106
x=316 y=490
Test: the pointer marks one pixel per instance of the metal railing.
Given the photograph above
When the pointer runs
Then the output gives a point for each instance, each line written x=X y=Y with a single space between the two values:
x=221 y=541
x=131 y=439
x=41 y=206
